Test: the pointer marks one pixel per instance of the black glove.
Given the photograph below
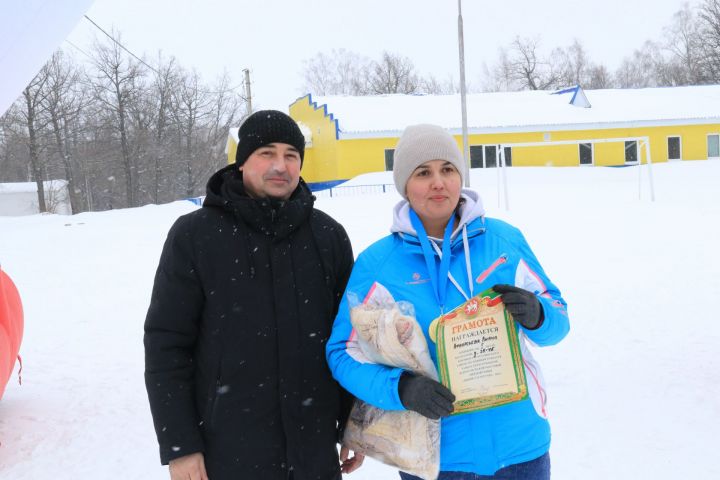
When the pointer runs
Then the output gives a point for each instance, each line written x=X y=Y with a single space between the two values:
x=425 y=396
x=524 y=306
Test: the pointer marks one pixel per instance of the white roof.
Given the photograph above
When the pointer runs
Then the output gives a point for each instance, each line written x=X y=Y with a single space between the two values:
x=388 y=115
x=25 y=187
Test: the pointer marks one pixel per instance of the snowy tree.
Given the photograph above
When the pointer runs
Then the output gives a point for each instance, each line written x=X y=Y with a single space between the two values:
x=571 y=64
x=598 y=76
x=574 y=67
x=116 y=82
x=641 y=68
x=347 y=73
x=394 y=74
x=338 y=73
x=431 y=85
x=709 y=26
x=31 y=113
x=522 y=66
x=683 y=42
x=119 y=130
x=63 y=105
x=499 y=77
x=164 y=82
x=202 y=119
x=528 y=68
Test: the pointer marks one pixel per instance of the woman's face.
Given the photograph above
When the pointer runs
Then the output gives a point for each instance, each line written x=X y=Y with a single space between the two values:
x=433 y=191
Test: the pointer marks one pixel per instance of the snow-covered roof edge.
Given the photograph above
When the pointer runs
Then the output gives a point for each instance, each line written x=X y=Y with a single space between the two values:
x=525 y=111
x=28 y=187
x=540 y=128
x=324 y=108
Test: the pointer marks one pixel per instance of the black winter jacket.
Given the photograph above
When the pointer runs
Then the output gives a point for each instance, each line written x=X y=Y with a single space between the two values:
x=243 y=303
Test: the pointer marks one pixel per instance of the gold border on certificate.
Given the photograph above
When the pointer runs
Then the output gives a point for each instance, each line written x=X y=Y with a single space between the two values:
x=478 y=353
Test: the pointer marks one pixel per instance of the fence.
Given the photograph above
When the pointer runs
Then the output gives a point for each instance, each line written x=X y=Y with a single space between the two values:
x=355 y=190
x=339 y=191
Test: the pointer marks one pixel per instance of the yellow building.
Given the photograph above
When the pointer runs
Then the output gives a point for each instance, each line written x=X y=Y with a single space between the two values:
x=347 y=136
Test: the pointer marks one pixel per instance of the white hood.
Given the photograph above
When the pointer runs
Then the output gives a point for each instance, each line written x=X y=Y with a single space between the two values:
x=471 y=209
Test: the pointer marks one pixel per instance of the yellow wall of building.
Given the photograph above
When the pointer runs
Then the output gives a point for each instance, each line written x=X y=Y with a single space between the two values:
x=693 y=141
x=363 y=155
x=604 y=154
x=367 y=155
x=322 y=162
x=331 y=159
x=231 y=149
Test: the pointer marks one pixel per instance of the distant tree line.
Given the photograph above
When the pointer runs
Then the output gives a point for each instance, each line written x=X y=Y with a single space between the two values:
x=342 y=72
x=122 y=131
x=126 y=132
x=688 y=54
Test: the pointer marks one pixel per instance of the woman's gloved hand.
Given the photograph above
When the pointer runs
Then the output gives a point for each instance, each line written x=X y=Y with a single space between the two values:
x=425 y=396
x=524 y=306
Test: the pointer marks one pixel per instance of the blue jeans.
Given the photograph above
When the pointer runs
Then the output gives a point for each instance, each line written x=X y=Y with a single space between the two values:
x=538 y=469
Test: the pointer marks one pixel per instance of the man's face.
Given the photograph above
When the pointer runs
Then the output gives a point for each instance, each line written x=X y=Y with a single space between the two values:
x=272 y=171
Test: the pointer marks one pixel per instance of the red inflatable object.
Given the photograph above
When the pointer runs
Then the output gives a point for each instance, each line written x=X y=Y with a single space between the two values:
x=11 y=328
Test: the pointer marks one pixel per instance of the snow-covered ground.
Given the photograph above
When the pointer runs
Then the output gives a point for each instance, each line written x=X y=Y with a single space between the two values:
x=634 y=390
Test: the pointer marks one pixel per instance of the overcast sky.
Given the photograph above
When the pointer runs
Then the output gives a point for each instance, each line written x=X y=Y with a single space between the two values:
x=273 y=37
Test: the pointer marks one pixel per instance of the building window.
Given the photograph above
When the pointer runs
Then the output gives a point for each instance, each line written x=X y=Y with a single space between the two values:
x=673 y=145
x=508 y=156
x=713 y=146
x=486 y=156
x=631 y=152
x=490 y=156
x=585 y=151
x=476 y=156
x=389 y=157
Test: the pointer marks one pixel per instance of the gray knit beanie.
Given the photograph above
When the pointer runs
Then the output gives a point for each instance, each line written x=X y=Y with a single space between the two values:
x=419 y=144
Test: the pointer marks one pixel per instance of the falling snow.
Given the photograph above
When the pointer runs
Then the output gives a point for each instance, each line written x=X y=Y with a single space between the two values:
x=632 y=390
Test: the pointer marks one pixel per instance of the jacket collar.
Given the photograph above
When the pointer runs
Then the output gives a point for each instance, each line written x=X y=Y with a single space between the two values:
x=472 y=216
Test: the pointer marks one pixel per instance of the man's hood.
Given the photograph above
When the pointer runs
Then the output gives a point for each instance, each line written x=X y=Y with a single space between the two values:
x=225 y=187
x=214 y=195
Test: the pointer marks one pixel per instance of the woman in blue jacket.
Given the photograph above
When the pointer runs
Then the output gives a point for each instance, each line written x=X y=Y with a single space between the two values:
x=441 y=252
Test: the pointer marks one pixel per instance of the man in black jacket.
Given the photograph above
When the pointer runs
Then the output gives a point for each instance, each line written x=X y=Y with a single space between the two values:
x=243 y=303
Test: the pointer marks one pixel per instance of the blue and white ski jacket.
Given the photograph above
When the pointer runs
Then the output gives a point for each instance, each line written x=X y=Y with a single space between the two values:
x=484 y=252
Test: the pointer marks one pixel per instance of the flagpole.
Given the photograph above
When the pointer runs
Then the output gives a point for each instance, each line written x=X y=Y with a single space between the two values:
x=463 y=103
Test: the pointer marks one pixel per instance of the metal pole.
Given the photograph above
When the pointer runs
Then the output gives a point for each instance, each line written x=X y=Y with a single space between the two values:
x=638 y=153
x=248 y=95
x=504 y=177
x=649 y=165
x=463 y=105
x=497 y=174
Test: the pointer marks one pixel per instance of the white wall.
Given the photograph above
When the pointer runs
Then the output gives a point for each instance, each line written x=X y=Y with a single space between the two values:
x=21 y=198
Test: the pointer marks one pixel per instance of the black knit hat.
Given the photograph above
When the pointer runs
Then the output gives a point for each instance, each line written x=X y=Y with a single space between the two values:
x=264 y=127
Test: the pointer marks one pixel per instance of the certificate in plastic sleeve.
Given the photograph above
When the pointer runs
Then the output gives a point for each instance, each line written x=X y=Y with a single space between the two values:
x=478 y=354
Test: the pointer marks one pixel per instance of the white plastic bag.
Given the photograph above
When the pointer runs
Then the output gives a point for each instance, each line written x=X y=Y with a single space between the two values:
x=386 y=332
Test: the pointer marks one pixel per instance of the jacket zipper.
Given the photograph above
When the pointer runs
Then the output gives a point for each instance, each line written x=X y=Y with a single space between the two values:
x=499 y=261
x=213 y=405
x=211 y=413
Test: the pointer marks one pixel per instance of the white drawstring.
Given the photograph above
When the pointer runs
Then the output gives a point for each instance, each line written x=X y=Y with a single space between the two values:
x=468 y=267
x=466 y=248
